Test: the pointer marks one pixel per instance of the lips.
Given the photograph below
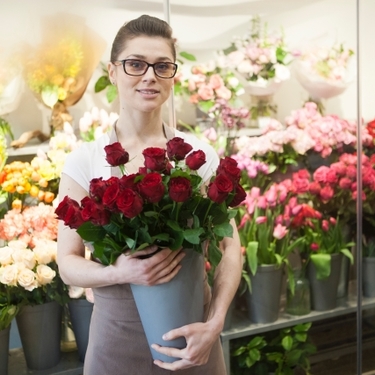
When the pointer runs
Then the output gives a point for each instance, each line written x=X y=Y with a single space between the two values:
x=148 y=91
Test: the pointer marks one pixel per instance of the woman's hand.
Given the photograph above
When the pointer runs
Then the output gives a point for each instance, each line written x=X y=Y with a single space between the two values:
x=148 y=266
x=200 y=338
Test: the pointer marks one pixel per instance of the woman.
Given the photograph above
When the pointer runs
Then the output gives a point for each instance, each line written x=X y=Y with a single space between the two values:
x=142 y=67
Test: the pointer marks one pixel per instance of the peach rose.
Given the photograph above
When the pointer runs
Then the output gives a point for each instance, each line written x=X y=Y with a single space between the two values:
x=205 y=92
x=24 y=256
x=26 y=278
x=6 y=255
x=8 y=275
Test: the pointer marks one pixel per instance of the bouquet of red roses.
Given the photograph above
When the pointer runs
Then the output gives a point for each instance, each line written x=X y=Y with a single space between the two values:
x=166 y=203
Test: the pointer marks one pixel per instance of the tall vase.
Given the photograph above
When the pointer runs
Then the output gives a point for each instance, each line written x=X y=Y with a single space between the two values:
x=368 y=277
x=39 y=327
x=4 y=350
x=172 y=305
x=263 y=301
x=324 y=292
x=80 y=315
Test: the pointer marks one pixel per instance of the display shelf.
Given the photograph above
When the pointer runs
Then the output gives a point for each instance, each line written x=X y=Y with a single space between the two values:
x=241 y=326
x=68 y=365
x=30 y=149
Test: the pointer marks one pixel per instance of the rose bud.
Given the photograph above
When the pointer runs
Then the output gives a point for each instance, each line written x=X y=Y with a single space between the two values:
x=151 y=187
x=116 y=155
x=180 y=189
x=97 y=188
x=195 y=160
x=177 y=148
x=129 y=203
x=155 y=159
x=239 y=196
x=219 y=189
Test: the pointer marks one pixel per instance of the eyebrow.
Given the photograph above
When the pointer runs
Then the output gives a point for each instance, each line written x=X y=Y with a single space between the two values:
x=142 y=57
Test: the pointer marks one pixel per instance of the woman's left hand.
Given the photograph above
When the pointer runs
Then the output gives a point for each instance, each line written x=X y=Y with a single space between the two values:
x=200 y=338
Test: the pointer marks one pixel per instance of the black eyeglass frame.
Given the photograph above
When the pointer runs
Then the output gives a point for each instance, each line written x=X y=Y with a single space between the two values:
x=122 y=62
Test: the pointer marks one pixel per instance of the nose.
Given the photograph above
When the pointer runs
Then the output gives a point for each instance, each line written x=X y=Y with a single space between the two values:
x=150 y=74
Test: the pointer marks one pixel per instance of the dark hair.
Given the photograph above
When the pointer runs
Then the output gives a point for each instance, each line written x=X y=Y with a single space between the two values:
x=143 y=25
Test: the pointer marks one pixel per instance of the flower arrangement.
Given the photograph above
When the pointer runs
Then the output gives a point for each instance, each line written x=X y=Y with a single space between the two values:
x=306 y=133
x=206 y=84
x=334 y=188
x=325 y=71
x=53 y=69
x=29 y=275
x=163 y=204
x=260 y=57
x=322 y=237
x=95 y=123
x=31 y=224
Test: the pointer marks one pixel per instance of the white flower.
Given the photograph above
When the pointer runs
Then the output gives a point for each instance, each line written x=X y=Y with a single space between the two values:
x=24 y=256
x=26 y=278
x=282 y=73
x=6 y=255
x=76 y=292
x=44 y=274
x=8 y=275
x=245 y=67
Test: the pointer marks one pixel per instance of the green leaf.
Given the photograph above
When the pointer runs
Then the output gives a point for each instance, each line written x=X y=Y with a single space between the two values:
x=223 y=230
x=322 y=263
x=193 y=235
x=287 y=343
x=102 y=83
x=214 y=254
x=251 y=256
x=173 y=225
x=90 y=232
x=178 y=240
x=188 y=56
x=111 y=93
x=348 y=254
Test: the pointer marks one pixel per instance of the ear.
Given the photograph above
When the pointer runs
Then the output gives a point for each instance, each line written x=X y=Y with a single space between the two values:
x=112 y=73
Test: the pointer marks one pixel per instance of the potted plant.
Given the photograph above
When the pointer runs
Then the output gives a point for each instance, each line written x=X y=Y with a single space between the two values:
x=324 y=244
x=279 y=352
x=28 y=270
x=265 y=233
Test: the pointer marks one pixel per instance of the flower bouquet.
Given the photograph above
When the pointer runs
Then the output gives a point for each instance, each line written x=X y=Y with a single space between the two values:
x=325 y=72
x=167 y=204
x=162 y=204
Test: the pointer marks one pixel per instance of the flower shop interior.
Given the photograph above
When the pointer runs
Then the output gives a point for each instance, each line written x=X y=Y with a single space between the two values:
x=283 y=87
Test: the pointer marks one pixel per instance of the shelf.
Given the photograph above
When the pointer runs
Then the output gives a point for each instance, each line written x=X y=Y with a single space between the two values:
x=241 y=326
x=28 y=150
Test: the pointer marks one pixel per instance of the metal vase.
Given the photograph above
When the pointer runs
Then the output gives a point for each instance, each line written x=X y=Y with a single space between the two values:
x=172 y=305
x=263 y=302
x=4 y=350
x=324 y=292
x=80 y=311
x=368 y=277
x=39 y=327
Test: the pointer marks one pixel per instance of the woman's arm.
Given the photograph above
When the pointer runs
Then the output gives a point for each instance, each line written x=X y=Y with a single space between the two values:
x=76 y=270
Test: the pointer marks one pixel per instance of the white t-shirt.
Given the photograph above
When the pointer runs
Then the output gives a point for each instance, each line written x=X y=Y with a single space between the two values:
x=88 y=161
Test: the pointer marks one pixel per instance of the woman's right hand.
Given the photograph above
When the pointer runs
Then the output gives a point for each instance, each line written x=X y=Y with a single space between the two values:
x=138 y=268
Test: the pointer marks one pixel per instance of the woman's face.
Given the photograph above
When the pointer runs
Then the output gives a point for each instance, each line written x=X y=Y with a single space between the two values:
x=147 y=92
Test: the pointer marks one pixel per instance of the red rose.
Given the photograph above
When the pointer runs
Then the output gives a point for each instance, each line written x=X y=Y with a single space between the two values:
x=128 y=181
x=111 y=194
x=155 y=159
x=314 y=188
x=180 y=189
x=219 y=189
x=97 y=188
x=129 y=203
x=69 y=211
x=151 y=187
x=116 y=155
x=228 y=167
x=94 y=212
x=239 y=196
x=177 y=149
x=195 y=160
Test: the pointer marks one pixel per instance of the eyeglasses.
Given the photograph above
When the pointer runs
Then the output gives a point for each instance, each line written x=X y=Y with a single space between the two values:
x=139 y=68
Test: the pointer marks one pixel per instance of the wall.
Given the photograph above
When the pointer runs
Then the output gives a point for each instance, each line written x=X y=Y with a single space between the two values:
x=201 y=29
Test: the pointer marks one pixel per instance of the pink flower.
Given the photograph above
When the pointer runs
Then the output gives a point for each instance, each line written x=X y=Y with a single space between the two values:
x=206 y=92
x=345 y=183
x=216 y=81
x=280 y=231
x=326 y=193
x=261 y=219
x=314 y=246
x=325 y=225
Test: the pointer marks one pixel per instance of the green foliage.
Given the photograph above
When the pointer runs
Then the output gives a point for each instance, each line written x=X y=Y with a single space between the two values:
x=104 y=83
x=279 y=351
